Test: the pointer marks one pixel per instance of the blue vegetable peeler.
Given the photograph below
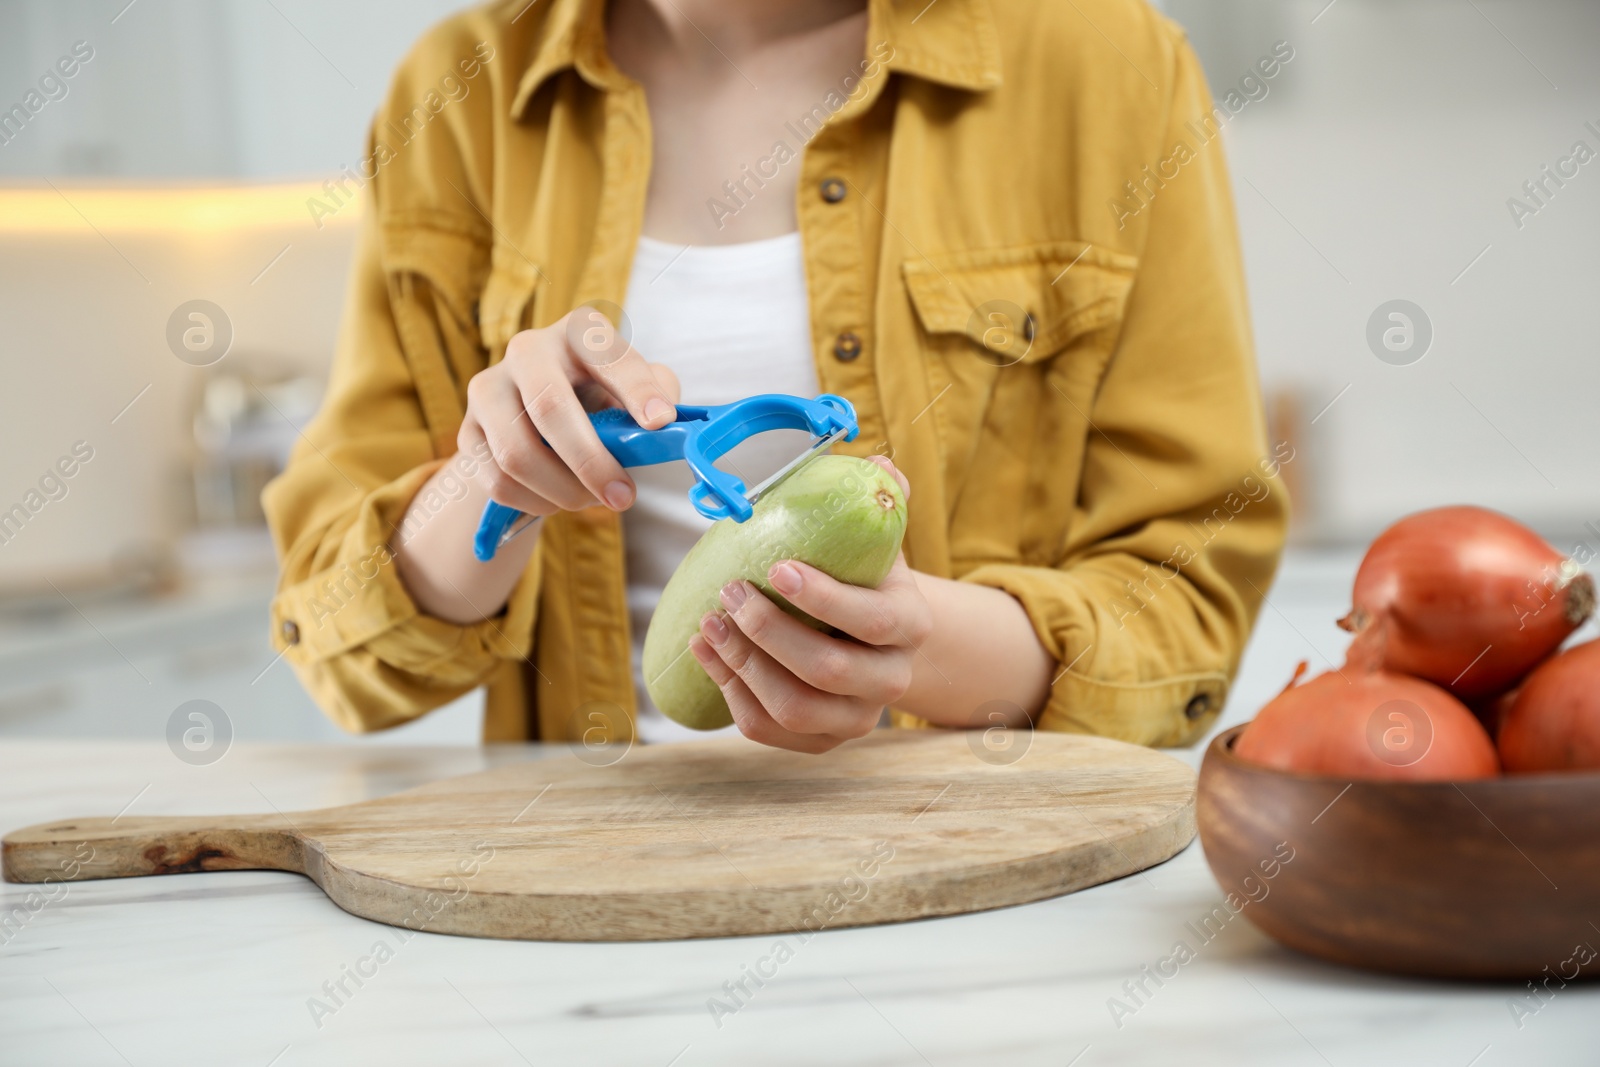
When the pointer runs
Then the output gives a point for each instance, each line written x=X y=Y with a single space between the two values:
x=699 y=437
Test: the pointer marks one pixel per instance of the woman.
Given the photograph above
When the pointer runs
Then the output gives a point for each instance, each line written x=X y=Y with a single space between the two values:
x=998 y=229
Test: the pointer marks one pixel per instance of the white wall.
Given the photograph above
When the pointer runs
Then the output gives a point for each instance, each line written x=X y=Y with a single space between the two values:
x=84 y=308
x=179 y=91
x=1391 y=144
x=204 y=88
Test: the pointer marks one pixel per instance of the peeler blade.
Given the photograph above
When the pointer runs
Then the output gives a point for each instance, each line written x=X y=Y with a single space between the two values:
x=819 y=445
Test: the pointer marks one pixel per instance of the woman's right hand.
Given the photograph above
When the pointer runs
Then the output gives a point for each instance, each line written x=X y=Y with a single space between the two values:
x=544 y=455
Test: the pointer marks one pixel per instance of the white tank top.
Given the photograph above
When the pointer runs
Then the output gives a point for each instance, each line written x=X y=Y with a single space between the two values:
x=731 y=321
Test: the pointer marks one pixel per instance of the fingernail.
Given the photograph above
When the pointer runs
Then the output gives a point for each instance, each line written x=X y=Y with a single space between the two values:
x=715 y=629
x=701 y=651
x=619 y=495
x=733 y=595
x=656 y=408
x=785 y=578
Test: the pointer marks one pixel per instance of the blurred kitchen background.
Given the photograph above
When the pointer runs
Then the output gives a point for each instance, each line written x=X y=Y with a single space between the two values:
x=175 y=164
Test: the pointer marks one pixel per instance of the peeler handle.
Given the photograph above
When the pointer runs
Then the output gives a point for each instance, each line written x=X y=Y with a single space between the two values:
x=497 y=519
x=624 y=438
x=699 y=436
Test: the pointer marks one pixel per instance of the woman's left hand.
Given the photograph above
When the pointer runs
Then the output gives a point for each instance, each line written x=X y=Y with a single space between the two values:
x=792 y=687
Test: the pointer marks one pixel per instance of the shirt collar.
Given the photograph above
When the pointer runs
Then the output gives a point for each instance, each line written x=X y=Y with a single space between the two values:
x=951 y=42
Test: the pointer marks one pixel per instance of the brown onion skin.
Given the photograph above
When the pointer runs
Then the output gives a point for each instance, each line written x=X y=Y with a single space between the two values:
x=1439 y=587
x=1322 y=727
x=1554 y=725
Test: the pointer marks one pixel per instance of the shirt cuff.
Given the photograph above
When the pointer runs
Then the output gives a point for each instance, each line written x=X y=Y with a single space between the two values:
x=1143 y=700
x=358 y=600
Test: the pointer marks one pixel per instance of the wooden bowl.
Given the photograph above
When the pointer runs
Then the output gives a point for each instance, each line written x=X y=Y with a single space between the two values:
x=1490 y=879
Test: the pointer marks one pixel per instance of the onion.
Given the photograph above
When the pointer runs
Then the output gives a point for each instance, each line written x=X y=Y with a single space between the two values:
x=1369 y=724
x=1466 y=598
x=1554 y=725
x=1492 y=710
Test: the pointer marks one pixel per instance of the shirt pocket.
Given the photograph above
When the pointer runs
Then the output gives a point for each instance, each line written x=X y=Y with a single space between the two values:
x=1016 y=341
x=1024 y=304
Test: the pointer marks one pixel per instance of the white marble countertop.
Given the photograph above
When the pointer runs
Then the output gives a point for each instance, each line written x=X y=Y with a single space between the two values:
x=223 y=968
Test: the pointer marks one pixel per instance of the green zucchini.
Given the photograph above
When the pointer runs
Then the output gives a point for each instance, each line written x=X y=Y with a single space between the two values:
x=842 y=515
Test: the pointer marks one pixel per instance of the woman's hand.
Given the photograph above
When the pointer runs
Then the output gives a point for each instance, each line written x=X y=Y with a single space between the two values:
x=529 y=444
x=791 y=687
x=534 y=393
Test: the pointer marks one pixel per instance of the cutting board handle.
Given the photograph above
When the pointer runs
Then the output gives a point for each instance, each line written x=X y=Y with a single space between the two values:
x=75 y=849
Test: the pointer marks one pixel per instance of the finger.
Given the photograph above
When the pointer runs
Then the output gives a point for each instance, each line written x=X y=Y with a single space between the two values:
x=668 y=381
x=795 y=706
x=895 y=613
x=496 y=483
x=558 y=417
x=748 y=714
x=825 y=663
x=595 y=396
x=596 y=350
x=888 y=464
x=520 y=469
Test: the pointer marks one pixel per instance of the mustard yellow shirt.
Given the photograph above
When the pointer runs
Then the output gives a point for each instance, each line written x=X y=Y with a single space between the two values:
x=1023 y=271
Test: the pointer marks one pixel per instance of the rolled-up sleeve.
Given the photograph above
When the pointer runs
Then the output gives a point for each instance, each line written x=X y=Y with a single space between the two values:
x=342 y=617
x=1181 y=514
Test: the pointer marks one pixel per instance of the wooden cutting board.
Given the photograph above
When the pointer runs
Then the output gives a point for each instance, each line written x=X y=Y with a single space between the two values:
x=704 y=839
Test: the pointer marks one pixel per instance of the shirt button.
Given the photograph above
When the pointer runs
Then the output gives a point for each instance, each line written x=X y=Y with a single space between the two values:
x=846 y=347
x=290 y=631
x=833 y=190
x=1198 y=706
